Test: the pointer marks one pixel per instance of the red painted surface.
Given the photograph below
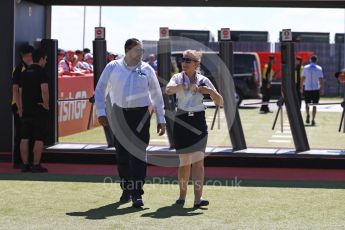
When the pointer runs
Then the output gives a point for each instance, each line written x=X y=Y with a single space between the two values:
x=74 y=114
x=264 y=57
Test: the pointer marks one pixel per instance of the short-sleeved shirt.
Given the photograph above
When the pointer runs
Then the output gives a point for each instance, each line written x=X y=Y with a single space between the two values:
x=187 y=100
x=81 y=65
x=20 y=68
x=312 y=74
x=65 y=65
x=30 y=82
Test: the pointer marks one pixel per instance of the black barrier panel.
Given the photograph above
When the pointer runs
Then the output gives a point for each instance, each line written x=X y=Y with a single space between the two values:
x=164 y=75
x=290 y=97
x=233 y=118
x=50 y=46
x=99 y=63
x=6 y=67
x=99 y=58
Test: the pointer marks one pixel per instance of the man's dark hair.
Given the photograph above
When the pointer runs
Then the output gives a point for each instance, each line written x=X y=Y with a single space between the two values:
x=86 y=50
x=37 y=54
x=313 y=58
x=130 y=43
x=61 y=51
x=26 y=49
x=78 y=52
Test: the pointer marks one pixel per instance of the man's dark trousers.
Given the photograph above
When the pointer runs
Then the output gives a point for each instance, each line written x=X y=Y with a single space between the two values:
x=132 y=138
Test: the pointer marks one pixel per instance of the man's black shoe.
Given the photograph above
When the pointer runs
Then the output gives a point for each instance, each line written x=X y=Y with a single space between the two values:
x=137 y=202
x=313 y=123
x=180 y=201
x=125 y=197
x=38 y=169
x=25 y=168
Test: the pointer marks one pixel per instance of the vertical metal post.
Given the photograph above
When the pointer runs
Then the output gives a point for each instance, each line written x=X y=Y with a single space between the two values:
x=233 y=118
x=99 y=62
x=290 y=96
x=100 y=16
x=84 y=24
x=164 y=75
x=51 y=46
x=99 y=58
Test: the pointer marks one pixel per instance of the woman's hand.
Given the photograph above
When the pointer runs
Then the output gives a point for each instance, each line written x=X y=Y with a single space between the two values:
x=193 y=88
x=204 y=90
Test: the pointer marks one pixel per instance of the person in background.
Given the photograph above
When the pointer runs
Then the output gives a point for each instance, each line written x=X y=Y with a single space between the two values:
x=86 y=50
x=266 y=85
x=340 y=76
x=298 y=78
x=152 y=62
x=26 y=61
x=89 y=61
x=66 y=65
x=60 y=57
x=81 y=65
x=110 y=57
x=190 y=128
x=312 y=80
x=34 y=94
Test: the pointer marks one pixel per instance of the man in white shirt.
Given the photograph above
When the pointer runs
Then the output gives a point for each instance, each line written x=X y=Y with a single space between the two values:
x=312 y=80
x=131 y=86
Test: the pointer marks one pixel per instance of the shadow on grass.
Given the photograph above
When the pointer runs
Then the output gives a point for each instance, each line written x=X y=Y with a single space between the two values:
x=173 y=210
x=105 y=211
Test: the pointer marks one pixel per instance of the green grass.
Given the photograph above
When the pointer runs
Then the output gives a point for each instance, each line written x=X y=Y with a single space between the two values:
x=30 y=204
x=257 y=130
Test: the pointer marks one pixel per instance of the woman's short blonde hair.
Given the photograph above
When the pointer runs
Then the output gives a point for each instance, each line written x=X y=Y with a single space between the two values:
x=195 y=55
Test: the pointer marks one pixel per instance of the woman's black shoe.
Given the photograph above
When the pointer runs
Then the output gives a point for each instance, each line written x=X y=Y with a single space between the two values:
x=201 y=203
x=25 y=168
x=38 y=169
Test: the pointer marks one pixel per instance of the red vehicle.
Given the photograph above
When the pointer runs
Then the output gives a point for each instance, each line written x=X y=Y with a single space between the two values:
x=277 y=68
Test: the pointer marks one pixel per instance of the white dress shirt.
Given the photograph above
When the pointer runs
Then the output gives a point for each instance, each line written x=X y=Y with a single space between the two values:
x=312 y=73
x=129 y=87
x=186 y=99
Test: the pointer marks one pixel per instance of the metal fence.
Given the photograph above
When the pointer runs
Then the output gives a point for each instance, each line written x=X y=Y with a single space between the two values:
x=330 y=56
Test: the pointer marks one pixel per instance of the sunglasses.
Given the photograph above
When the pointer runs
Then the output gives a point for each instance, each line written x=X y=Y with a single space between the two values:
x=187 y=60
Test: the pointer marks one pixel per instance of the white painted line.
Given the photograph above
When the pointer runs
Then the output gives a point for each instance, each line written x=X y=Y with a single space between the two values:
x=158 y=140
x=281 y=136
x=285 y=132
x=279 y=141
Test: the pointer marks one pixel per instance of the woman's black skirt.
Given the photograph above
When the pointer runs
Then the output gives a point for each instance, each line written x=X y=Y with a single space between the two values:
x=190 y=131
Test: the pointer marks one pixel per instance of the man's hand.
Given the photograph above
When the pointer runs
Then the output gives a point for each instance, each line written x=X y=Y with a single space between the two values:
x=45 y=106
x=160 y=129
x=103 y=120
